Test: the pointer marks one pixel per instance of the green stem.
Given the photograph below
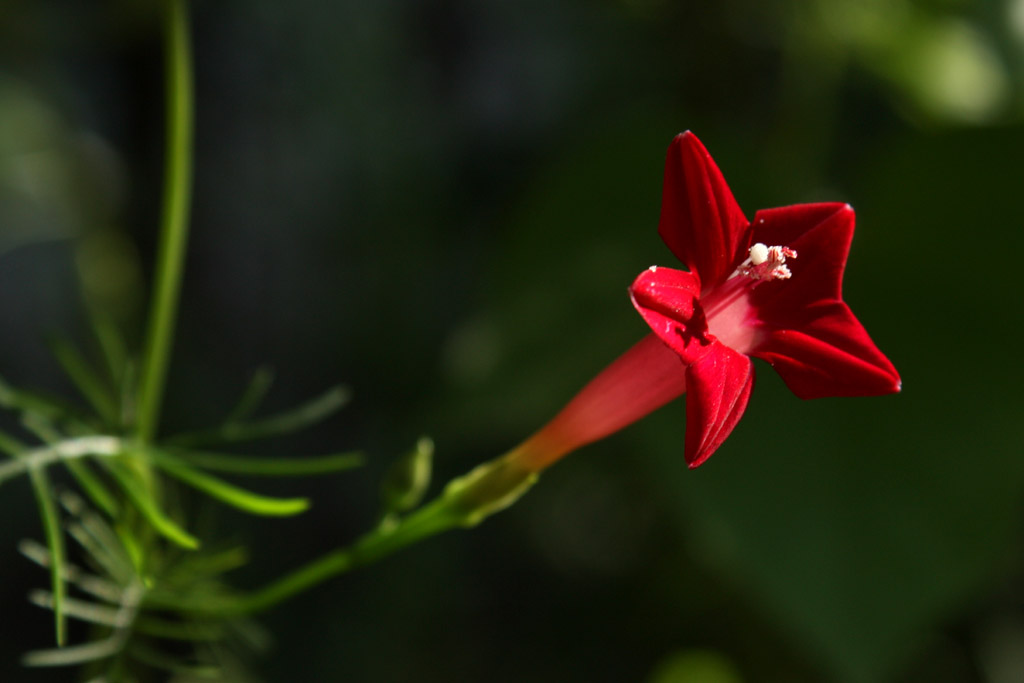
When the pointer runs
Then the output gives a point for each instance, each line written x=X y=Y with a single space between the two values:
x=174 y=217
x=465 y=502
x=377 y=544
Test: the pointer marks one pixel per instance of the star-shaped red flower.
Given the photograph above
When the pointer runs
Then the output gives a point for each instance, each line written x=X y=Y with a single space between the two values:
x=771 y=288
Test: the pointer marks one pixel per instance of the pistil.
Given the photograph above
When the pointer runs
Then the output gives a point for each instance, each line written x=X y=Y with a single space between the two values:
x=767 y=263
x=727 y=307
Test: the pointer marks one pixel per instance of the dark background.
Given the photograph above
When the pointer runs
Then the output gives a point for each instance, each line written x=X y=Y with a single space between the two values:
x=441 y=204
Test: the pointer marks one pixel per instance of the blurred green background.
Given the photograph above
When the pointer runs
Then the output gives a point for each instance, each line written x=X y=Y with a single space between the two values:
x=441 y=203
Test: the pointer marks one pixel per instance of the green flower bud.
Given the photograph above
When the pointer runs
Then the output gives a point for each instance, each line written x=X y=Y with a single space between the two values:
x=489 y=488
x=407 y=479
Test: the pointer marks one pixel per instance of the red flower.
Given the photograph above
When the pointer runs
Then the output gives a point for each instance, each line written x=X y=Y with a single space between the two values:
x=770 y=289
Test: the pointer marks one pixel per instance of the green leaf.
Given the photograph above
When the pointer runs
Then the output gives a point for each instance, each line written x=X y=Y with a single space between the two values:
x=207 y=564
x=10 y=445
x=13 y=448
x=85 y=379
x=112 y=346
x=144 y=502
x=41 y=427
x=408 y=477
x=177 y=630
x=228 y=493
x=272 y=467
x=298 y=418
x=71 y=656
x=98 y=539
x=93 y=487
x=129 y=398
x=47 y=407
x=91 y=612
x=9 y=470
x=253 y=395
x=64 y=450
x=158 y=660
x=97 y=586
x=133 y=547
x=55 y=542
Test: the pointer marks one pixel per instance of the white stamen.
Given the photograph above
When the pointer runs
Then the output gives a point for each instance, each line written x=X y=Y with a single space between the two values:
x=758 y=254
x=767 y=263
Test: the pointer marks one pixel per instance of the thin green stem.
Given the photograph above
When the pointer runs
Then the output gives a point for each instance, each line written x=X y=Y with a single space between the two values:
x=174 y=217
x=377 y=544
x=465 y=502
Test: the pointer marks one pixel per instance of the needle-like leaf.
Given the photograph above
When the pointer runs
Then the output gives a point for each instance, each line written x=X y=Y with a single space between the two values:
x=159 y=660
x=66 y=450
x=293 y=420
x=207 y=564
x=94 y=585
x=272 y=467
x=121 y=621
x=175 y=630
x=93 y=487
x=76 y=654
x=98 y=539
x=53 y=409
x=112 y=346
x=10 y=445
x=144 y=502
x=55 y=542
x=85 y=379
x=82 y=610
x=253 y=395
x=228 y=493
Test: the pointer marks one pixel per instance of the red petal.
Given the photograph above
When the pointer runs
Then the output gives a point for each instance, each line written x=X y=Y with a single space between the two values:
x=700 y=220
x=718 y=387
x=821 y=235
x=668 y=301
x=828 y=353
x=811 y=337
